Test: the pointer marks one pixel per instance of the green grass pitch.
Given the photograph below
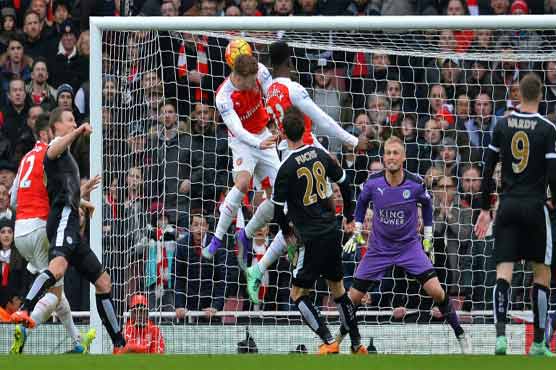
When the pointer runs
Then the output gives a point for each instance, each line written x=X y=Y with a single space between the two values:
x=271 y=362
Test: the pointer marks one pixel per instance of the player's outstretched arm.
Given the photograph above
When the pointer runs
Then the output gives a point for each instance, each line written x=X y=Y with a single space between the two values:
x=61 y=144
x=320 y=119
x=427 y=212
x=550 y=156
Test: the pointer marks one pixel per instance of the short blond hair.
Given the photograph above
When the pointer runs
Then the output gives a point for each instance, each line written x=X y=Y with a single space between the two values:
x=394 y=140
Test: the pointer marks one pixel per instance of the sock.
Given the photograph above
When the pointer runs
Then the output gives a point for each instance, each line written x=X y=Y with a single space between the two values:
x=263 y=215
x=451 y=316
x=347 y=311
x=42 y=283
x=540 y=310
x=228 y=210
x=63 y=311
x=277 y=248
x=105 y=309
x=313 y=320
x=44 y=308
x=501 y=299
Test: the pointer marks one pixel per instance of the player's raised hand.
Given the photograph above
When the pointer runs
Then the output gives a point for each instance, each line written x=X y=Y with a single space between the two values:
x=89 y=207
x=269 y=142
x=483 y=223
x=90 y=185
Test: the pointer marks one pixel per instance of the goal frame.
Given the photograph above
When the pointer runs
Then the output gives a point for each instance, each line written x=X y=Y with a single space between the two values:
x=320 y=23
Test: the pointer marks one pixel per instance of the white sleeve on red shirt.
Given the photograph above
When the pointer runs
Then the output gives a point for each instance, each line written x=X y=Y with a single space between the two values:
x=301 y=99
x=264 y=77
x=13 y=193
x=226 y=108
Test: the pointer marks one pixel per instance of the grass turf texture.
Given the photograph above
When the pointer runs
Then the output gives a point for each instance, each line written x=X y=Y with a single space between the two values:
x=271 y=362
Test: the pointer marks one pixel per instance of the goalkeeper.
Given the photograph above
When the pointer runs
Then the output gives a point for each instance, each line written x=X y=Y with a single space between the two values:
x=395 y=194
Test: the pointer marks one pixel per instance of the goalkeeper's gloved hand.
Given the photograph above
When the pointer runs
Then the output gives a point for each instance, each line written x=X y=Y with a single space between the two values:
x=427 y=243
x=355 y=240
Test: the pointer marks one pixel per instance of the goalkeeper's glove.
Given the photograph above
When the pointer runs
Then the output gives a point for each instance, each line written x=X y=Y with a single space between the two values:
x=355 y=240
x=427 y=243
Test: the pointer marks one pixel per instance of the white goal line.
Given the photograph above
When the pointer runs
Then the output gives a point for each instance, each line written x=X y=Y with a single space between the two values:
x=524 y=315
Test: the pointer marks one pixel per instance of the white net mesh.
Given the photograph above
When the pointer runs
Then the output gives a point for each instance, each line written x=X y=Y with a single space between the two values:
x=167 y=166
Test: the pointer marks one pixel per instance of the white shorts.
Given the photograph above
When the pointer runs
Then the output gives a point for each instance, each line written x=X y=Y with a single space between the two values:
x=34 y=248
x=262 y=165
x=285 y=153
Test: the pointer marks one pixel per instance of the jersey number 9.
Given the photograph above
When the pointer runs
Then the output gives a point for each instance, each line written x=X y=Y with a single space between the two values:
x=318 y=175
x=520 y=151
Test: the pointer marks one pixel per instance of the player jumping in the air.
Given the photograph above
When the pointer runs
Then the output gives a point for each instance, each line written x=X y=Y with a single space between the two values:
x=282 y=94
x=525 y=142
x=301 y=182
x=394 y=240
x=29 y=199
x=240 y=102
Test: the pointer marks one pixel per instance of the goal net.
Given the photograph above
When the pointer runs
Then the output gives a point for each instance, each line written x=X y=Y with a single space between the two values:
x=166 y=165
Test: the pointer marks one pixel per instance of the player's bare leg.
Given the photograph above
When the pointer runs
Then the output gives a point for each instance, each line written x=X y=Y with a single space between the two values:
x=228 y=210
x=263 y=215
x=541 y=293
x=348 y=318
x=501 y=297
x=434 y=290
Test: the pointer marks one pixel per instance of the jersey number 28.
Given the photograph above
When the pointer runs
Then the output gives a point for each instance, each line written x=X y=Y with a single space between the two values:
x=316 y=175
x=520 y=151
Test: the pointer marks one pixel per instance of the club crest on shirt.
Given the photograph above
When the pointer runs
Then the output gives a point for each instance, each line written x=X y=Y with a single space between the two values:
x=239 y=161
x=69 y=239
x=406 y=194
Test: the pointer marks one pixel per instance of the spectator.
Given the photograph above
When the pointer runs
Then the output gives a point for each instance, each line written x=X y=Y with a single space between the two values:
x=11 y=305
x=500 y=7
x=9 y=25
x=8 y=171
x=428 y=147
x=363 y=7
x=174 y=165
x=33 y=115
x=141 y=334
x=158 y=250
x=39 y=7
x=14 y=276
x=249 y=8
x=15 y=64
x=308 y=7
x=5 y=210
x=283 y=7
x=38 y=89
x=13 y=118
x=464 y=38
x=479 y=127
x=452 y=229
x=449 y=158
x=61 y=15
x=67 y=65
x=35 y=44
x=479 y=77
x=549 y=107
x=200 y=283
x=208 y=8
x=233 y=11
x=209 y=157
x=168 y=9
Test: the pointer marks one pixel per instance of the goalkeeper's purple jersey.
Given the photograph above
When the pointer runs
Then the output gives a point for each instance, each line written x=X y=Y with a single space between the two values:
x=395 y=210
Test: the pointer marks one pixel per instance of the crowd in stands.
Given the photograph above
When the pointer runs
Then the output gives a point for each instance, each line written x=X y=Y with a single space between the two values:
x=167 y=165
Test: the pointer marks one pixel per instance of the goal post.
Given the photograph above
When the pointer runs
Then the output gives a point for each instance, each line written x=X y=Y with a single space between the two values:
x=381 y=35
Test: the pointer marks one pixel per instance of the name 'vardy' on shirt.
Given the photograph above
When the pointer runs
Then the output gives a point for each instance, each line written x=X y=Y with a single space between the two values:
x=525 y=124
x=391 y=217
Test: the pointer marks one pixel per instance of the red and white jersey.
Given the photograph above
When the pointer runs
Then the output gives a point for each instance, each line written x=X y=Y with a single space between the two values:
x=243 y=112
x=283 y=93
x=29 y=195
x=280 y=96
